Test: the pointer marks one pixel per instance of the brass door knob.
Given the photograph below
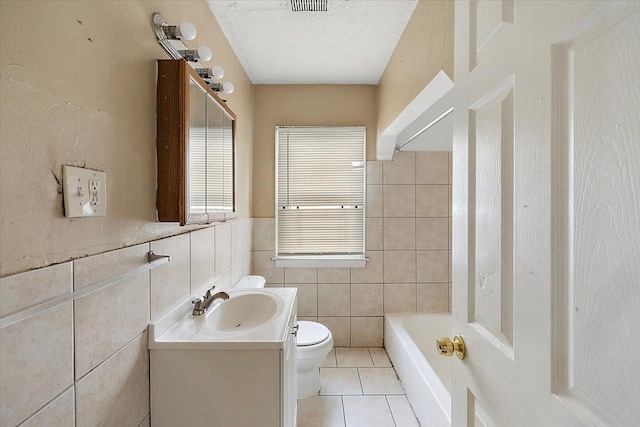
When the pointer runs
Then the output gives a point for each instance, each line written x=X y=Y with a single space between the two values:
x=446 y=347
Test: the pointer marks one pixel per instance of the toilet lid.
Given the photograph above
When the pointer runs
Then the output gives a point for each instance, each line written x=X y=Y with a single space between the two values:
x=310 y=333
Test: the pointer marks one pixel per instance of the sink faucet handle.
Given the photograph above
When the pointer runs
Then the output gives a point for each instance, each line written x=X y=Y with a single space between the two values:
x=198 y=308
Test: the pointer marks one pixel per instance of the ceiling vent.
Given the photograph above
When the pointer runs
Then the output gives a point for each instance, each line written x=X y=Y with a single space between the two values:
x=309 y=5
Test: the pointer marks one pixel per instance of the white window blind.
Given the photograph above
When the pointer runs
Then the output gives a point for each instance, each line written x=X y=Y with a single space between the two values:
x=320 y=191
x=210 y=170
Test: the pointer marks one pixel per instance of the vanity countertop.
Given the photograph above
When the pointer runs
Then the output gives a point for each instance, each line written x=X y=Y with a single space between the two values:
x=180 y=330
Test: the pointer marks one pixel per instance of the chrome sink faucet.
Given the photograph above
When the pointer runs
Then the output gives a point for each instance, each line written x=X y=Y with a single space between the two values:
x=201 y=305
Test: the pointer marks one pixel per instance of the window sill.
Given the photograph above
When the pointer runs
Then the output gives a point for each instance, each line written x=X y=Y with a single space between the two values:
x=321 y=262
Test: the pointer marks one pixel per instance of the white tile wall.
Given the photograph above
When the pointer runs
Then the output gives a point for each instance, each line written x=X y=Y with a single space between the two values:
x=334 y=299
x=240 y=239
x=433 y=266
x=307 y=299
x=374 y=172
x=400 y=170
x=264 y=266
x=58 y=413
x=399 y=298
x=432 y=167
x=366 y=299
x=202 y=258
x=37 y=362
x=340 y=328
x=116 y=393
x=432 y=201
x=399 y=234
x=366 y=331
x=109 y=357
x=334 y=275
x=223 y=240
x=374 y=236
x=432 y=233
x=374 y=201
x=90 y=270
x=400 y=266
x=300 y=275
x=223 y=280
x=372 y=272
x=34 y=287
x=399 y=201
x=236 y=271
x=106 y=320
x=171 y=282
x=433 y=297
x=408 y=235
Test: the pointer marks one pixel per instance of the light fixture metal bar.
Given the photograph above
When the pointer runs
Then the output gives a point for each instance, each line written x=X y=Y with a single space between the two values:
x=158 y=24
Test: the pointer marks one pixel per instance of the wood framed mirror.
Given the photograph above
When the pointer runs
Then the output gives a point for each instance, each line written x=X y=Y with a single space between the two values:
x=195 y=148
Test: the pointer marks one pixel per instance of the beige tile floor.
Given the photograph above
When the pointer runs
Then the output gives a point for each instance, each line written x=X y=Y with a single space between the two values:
x=359 y=389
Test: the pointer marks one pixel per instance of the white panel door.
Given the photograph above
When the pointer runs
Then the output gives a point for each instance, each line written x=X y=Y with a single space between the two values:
x=546 y=224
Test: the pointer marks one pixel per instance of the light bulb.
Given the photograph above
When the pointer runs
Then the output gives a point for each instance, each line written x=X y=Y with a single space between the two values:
x=217 y=72
x=227 y=87
x=186 y=30
x=204 y=53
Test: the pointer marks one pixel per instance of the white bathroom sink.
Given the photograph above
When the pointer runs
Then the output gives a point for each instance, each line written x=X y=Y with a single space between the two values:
x=242 y=312
x=250 y=318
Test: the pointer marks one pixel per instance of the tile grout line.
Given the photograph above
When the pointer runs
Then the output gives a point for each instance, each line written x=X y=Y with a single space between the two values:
x=386 y=398
x=373 y=364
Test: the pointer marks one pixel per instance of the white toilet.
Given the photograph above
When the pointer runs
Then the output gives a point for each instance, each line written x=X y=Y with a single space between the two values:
x=314 y=343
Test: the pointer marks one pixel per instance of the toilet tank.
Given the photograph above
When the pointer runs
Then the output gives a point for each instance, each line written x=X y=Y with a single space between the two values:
x=250 y=282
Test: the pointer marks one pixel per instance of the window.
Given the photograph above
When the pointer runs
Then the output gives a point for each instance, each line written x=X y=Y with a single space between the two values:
x=320 y=195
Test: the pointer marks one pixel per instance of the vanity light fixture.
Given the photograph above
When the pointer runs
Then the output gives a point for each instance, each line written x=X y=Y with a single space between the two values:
x=184 y=31
x=215 y=72
x=171 y=38
x=202 y=53
x=226 y=87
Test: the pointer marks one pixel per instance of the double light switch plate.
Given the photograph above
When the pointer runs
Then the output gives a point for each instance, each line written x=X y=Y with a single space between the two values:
x=84 y=192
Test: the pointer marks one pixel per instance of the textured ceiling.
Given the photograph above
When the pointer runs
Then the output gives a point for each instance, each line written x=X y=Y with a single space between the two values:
x=351 y=43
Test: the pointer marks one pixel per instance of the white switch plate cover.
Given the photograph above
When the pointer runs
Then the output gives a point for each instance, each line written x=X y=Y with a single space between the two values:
x=84 y=192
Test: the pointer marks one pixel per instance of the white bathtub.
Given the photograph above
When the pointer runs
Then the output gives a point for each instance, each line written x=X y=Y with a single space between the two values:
x=410 y=341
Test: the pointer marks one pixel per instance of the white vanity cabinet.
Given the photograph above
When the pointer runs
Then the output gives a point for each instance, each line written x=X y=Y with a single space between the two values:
x=289 y=383
x=241 y=383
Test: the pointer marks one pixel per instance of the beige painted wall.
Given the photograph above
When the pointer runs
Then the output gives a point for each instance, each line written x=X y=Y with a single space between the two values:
x=425 y=48
x=77 y=84
x=303 y=105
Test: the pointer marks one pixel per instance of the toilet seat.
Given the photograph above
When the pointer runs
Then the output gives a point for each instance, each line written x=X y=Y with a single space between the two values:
x=311 y=333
